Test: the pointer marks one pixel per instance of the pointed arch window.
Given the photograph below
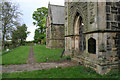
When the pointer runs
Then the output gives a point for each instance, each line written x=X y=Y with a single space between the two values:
x=92 y=45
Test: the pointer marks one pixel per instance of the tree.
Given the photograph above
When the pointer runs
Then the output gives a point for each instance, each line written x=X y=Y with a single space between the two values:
x=20 y=35
x=15 y=38
x=10 y=17
x=37 y=36
x=40 y=21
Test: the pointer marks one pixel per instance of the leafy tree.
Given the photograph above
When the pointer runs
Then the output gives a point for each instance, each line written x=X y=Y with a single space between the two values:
x=40 y=21
x=20 y=35
x=10 y=17
x=15 y=38
x=37 y=36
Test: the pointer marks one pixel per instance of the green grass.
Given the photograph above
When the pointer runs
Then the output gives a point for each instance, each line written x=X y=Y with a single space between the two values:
x=42 y=53
x=17 y=56
x=71 y=72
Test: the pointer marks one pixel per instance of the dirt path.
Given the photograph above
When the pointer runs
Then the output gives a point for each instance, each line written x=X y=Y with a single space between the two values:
x=31 y=59
x=36 y=66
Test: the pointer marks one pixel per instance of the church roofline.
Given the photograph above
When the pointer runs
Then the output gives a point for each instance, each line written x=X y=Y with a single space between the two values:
x=56 y=5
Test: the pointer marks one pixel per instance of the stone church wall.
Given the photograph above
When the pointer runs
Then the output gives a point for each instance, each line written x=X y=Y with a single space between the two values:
x=55 y=27
x=57 y=37
x=101 y=46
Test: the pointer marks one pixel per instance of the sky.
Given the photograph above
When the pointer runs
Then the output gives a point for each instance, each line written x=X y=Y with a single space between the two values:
x=27 y=7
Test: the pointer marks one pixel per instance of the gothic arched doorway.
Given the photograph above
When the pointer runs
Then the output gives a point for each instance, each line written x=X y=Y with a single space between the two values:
x=80 y=42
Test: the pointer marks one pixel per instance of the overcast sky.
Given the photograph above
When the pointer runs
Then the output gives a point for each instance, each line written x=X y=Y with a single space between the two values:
x=27 y=7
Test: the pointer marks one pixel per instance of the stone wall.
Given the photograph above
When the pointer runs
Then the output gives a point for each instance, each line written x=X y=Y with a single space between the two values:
x=55 y=37
x=48 y=32
x=113 y=16
x=55 y=27
x=71 y=13
x=100 y=30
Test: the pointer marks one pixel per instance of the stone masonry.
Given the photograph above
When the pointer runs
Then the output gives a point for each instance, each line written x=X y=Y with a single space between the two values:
x=55 y=27
x=92 y=34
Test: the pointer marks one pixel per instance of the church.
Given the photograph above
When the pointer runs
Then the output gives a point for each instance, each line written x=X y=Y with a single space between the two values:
x=92 y=34
x=55 y=27
x=91 y=31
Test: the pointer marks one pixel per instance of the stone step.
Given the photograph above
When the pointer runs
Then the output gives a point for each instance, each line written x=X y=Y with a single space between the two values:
x=78 y=57
x=76 y=60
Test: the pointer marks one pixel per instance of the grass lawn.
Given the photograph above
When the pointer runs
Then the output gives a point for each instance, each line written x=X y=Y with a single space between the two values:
x=71 y=72
x=17 y=56
x=42 y=54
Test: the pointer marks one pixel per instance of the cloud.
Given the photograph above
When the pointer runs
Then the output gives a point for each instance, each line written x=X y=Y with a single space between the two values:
x=31 y=29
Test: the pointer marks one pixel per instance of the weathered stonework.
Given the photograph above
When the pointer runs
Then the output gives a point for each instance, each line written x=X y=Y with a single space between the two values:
x=55 y=27
x=92 y=34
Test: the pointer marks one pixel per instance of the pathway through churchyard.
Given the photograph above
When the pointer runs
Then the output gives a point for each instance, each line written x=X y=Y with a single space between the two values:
x=36 y=66
x=33 y=65
x=31 y=58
